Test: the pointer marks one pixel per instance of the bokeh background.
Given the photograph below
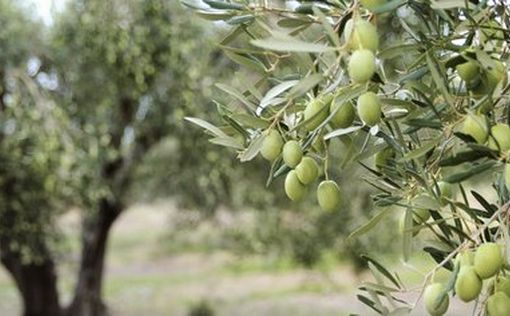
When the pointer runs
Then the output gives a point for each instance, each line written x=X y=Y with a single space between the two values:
x=93 y=95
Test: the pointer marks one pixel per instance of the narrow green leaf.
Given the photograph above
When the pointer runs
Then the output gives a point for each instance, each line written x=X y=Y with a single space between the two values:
x=422 y=150
x=305 y=85
x=207 y=126
x=253 y=148
x=397 y=51
x=461 y=176
x=274 y=92
x=342 y=131
x=214 y=15
x=366 y=227
x=462 y=157
x=365 y=300
x=246 y=61
x=250 y=120
x=382 y=270
x=227 y=142
x=333 y=37
x=285 y=43
x=389 y=6
x=413 y=75
x=292 y=23
x=438 y=256
x=439 y=80
x=223 y=5
x=237 y=95
x=241 y=19
x=448 y=4
x=408 y=235
x=425 y=202
x=490 y=208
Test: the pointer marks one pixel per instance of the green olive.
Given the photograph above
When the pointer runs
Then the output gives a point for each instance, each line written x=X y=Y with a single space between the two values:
x=468 y=71
x=493 y=76
x=488 y=260
x=369 y=108
x=506 y=175
x=307 y=170
x=476 y=127
x=468 y=284
x=500 y=137
x=344 y=115
x=361 y=34
x=372 y=4
x=316 y=112
x=434 y=303
x=328 y=195
x=292 y=153
x=361 y=66
x=497 y=74
x=498 y=304
x=294 y=189
x=271 y=145
x=503 y=285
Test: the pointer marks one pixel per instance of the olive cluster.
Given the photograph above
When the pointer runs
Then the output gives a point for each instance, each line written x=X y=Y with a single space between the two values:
x=496 y=137
x=305 y=171
x=362 y=39
x=481 y=81
x=474 y=267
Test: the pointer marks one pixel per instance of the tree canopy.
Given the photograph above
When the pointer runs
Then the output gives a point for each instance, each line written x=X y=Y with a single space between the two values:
x=413 y=92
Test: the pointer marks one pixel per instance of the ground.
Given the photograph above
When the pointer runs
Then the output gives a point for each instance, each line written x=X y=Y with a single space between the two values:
x=141 y=279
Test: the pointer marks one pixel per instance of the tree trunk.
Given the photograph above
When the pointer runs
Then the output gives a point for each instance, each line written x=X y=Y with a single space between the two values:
x=87 y=299
x=37 y=283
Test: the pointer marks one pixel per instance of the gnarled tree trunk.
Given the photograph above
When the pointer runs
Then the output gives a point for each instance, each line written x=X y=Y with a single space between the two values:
x=37 y=283
x=87 y=299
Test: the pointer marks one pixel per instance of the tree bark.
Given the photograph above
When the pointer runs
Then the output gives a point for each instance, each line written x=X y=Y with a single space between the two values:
x=87 y=299
x=37 y=283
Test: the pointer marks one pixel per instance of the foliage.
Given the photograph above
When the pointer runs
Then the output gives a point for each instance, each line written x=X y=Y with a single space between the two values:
x=427 y=106
x=35 y=147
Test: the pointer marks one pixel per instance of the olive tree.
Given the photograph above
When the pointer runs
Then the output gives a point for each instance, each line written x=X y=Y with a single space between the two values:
x=126 y=71
x=35 y=164
x=82 y=104
x=414 y=92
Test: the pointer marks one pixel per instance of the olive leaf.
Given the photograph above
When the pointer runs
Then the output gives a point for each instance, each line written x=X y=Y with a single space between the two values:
x=285 y=43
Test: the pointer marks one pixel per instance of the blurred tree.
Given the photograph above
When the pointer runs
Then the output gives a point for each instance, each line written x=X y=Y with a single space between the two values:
x=122 y=73
x=126 y=70
x=33 y=151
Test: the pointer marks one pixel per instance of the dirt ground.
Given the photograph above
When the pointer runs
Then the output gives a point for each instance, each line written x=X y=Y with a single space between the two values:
x=142 y=280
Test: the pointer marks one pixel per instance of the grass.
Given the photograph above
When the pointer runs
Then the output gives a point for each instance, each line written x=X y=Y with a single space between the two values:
x=143 y=280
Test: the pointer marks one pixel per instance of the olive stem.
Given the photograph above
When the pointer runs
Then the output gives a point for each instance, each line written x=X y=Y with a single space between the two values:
x=326 y=159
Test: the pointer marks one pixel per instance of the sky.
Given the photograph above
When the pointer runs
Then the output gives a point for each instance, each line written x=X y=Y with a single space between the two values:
x=44 y=8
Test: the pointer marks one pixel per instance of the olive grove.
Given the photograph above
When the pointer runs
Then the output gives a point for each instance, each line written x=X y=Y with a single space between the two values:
x=415 y=93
